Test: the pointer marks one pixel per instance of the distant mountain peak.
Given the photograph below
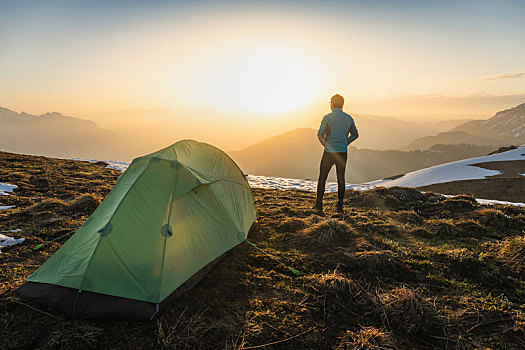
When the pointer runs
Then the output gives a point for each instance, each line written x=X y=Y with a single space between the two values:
x=504 y=128
x=52 y=114
x=7 y=112
x=53 y=133
x=506 y=124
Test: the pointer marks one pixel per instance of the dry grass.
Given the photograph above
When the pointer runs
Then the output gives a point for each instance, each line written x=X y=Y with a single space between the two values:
x=85 y=204
x=407 y=217
x=51 y=204
x=442 y=227
x=512 y=253
x=470 y=227
x=406 y=310
x=182 y=333
x=494 y=218
x=68 y=335
x=366 y=338
x=327 y=232
x=292 y=224
x=334 y=281
x=379 y=262
x=402 y=269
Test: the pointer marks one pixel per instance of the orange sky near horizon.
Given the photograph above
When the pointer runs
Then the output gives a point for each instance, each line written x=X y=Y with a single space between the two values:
x=266 y=62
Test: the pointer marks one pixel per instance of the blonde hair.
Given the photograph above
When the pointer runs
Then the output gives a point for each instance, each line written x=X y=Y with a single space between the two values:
x=337 y=101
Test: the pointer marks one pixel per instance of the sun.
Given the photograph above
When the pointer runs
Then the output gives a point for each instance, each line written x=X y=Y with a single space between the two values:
x=261 y=80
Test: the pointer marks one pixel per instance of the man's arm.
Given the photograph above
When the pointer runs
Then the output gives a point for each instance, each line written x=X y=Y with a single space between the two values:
x=321 y=132
x=354 y=134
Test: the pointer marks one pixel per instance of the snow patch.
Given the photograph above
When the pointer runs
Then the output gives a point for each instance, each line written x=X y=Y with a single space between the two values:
x=283 y=183
x=459 y=170
x=6 y=241
x=12 y=231
x=454 y=171
x=495 y=201
x=490 y=201
x=5 y=188
x=113 y=164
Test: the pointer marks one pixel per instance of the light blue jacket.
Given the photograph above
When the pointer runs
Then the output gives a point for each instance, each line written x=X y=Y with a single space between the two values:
x=334 y=130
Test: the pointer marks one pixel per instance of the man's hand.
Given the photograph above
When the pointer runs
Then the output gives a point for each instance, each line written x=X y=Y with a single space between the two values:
x=324 y=132
x=354 y=134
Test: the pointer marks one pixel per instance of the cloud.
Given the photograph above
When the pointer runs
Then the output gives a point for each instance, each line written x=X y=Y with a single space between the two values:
x=505 y=76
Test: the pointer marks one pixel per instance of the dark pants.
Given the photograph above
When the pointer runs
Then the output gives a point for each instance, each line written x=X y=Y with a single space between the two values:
x=327 y=161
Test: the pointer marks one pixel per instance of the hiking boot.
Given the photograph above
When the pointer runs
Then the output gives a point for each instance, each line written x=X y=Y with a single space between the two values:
x=339 y=207
x=318 y=207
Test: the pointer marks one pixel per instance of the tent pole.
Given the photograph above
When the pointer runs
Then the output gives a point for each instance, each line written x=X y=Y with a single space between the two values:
x=75 y=305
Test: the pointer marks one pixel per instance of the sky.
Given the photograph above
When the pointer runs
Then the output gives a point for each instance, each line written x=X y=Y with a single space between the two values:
x=262 y=62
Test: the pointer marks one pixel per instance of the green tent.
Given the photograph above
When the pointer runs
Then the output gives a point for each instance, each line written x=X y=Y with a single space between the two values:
x=170 y=217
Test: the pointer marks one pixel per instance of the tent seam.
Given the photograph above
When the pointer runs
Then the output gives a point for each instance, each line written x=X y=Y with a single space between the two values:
x=172 y=200
x=226 y=211
x=204 y=174
x=245 y=180
x=111 y=217
x=219 y=178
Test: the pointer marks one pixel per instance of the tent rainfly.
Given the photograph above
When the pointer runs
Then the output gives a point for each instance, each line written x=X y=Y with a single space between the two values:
x=169 y=219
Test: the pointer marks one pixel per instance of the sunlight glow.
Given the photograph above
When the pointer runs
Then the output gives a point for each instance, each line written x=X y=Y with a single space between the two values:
x=261 y=80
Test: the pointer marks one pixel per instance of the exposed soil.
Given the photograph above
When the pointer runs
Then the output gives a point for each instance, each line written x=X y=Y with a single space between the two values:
x=507 y=186
x=401 y=269
x=508 y=168
x=512 y=190
x=503 y=149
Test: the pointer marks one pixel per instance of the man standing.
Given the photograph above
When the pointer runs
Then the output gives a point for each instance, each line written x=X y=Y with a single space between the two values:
x=333 y=135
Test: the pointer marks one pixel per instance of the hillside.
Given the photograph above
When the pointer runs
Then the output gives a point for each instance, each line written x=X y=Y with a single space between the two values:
x=507 y=124
x=495 y=176
x=385 y=133
x=296 y=154
x=506 y=127
x=54 y=134
x=445 y=125
x=452 y=138
x=131 y=133
x=403 y=269
x=381 y=133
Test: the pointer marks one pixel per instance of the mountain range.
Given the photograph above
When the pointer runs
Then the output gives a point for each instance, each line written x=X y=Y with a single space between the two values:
x=506 y=127
x=54 y=134
x=380 y=152
x=386 y=133
x=130 y=133
x=296 y=153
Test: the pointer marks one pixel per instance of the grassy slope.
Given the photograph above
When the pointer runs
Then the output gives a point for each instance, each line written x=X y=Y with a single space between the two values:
x=508 y=186
x=402 y=269
x=507 y=189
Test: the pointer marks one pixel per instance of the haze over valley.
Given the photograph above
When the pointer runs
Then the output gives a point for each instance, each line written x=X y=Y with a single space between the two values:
x=387 y=147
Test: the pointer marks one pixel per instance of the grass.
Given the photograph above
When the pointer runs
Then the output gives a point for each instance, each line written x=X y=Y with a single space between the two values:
x=402 y=269
x=327 y=232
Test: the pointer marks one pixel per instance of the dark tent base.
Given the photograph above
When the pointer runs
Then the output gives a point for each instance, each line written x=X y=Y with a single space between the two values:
x=96 y=306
